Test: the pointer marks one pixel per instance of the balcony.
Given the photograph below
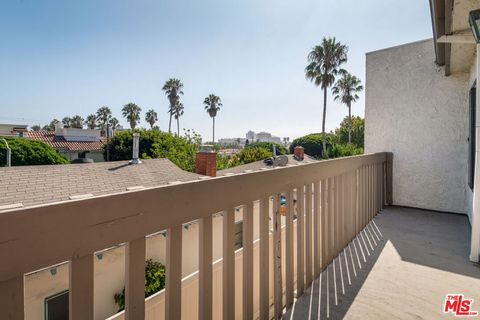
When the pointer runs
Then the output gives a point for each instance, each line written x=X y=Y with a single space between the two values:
x=330 y=255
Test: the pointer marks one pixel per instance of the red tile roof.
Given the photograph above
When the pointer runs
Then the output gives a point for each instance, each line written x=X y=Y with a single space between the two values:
x=59 y=143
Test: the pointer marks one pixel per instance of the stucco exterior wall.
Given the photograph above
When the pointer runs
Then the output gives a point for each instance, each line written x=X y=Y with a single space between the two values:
x=413 y=110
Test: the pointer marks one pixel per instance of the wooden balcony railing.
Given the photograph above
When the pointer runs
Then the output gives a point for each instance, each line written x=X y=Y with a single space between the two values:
x=335 y=199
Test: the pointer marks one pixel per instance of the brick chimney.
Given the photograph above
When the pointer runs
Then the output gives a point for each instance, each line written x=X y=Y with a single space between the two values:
x=299 y=153
x=206 y=163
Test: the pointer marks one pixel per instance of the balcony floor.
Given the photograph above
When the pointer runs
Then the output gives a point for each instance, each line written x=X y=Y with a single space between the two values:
x=418 y=257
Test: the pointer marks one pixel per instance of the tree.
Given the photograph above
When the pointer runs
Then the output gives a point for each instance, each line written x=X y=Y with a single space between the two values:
x=324 y=63
x=345 y=91
x=114 y=123
x=27 y=152
x=104 y=115
x=269 y=146
x=67 y=122
x=91 y=121
x=76 y=122
x=178 y=112
x=131 y=112
x=156 y=144
x=212 y=106
x=313 y=143
x=173 y=89
x=151 y=117
x=51 y=125
x=357 y=131
x=36 y=127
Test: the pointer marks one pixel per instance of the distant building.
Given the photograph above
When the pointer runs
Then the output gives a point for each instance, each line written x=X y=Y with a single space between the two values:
x=72 y=142
x=262 y=137
x=232 y=142
x=13 y=130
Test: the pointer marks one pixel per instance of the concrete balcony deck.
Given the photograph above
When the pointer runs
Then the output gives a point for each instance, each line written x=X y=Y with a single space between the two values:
x=413 y=258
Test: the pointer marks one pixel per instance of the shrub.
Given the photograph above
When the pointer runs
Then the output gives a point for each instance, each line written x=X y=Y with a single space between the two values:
x=248 y=155
x=27 y=152
x=313 y=143
x=342 y=150
x=154 y=282
x=269 y=146
x=157 y=144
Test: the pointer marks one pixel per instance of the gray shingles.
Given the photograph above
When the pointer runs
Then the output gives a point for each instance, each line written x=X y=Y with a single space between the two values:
x=34 y=185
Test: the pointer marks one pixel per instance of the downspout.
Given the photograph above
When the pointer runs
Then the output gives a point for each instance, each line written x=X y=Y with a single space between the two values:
x=475 y=237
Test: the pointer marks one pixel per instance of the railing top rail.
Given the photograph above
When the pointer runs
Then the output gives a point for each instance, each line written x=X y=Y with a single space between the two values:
x=39 y=236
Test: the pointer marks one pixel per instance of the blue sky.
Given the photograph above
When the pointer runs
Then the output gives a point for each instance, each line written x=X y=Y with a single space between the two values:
x=62 y=58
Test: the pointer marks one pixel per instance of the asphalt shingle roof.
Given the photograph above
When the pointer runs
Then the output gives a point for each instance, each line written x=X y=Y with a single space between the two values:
x=258 y=165
x=33 y=185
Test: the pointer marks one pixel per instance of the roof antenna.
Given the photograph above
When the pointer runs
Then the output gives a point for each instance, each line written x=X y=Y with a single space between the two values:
x=136 y=143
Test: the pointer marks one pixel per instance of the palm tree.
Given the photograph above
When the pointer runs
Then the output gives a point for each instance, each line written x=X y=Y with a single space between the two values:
x=212 y=105
x=177 y=113
x=173 y=89
x=151 y=117
x=67 y=122
x=114 y=123
x=91 y=121
x=76 y=122
x=324 y=63
x=104 y=114
x=132 y=113
x=345 y=90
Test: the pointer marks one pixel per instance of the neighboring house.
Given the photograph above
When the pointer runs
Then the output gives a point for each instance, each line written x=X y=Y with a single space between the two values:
x=48 y=288
x=72 y=142
x=13 y=130
x=421 y=105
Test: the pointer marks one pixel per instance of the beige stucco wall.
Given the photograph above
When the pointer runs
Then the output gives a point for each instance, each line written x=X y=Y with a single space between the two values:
x=414 y=111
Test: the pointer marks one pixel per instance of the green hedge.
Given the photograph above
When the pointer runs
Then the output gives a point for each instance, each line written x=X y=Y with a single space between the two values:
x=156 y=144
x=154 y=282
x=312 y=143
x=269 y=146
x=27 y=152
x=342 y=150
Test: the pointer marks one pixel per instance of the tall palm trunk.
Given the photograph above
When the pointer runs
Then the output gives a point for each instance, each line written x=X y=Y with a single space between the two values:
x=178 y=126
x=170 y=124
x=324 y=116
x=213 y=135
x=349 y=123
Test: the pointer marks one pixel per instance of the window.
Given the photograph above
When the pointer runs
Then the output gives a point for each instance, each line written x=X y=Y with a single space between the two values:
x=471 y=137
x=56 y=306
x=82 y=155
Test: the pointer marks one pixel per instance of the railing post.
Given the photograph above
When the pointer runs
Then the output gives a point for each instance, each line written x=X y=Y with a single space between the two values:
x=81 y=288
x=135 y=279
x=300 y=240
x=248 y=261
x=316 y=229
x=11 y=299
x=205 y=291
x=264 y=259
x=308 y=235
x=173 y=277
x=228 y=264
x=389 y=177
x=289 y=251
x=277 y=259
x=324 y=224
